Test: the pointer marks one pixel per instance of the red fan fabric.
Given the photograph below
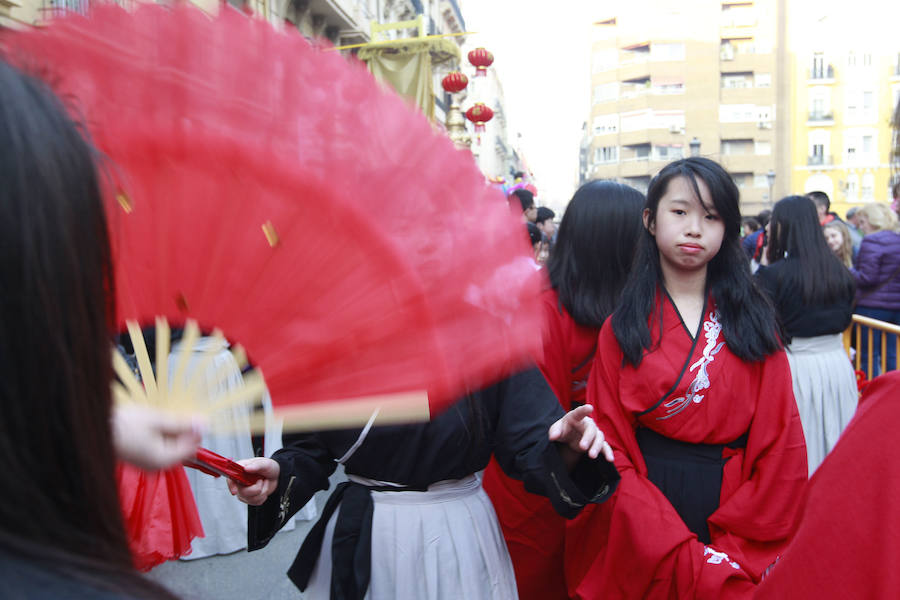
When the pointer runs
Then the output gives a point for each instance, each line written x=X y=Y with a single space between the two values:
x=161 y=517
x=396 y=268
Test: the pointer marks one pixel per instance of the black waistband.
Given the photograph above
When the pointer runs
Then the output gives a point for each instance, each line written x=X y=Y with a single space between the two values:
x=657 y=444
x=351 y=547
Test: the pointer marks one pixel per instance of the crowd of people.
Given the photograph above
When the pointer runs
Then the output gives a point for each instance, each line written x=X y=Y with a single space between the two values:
x=682 y=434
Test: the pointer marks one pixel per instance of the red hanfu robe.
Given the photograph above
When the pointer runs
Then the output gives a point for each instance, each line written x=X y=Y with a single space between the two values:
x=636 y=545
x=847 y=541
x=534 y=532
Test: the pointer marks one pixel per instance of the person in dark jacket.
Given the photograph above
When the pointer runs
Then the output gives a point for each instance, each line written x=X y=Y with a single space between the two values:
x=877 y=275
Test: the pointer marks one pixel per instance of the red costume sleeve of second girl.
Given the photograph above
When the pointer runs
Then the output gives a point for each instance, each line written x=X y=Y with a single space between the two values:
x=534 y=532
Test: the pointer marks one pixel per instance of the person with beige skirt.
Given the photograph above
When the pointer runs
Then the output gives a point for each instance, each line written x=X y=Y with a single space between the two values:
x=813 y=293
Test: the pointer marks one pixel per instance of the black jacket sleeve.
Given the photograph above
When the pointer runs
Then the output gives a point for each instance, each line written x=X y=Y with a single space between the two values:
x=527 y=408
x=306 y=464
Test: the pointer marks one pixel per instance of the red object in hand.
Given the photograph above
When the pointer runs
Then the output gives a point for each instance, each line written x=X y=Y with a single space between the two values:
x=214 y=464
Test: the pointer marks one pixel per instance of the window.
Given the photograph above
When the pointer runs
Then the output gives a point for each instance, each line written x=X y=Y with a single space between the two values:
x=668 y=152
x=737 y=80
x=636 y=152
x=763 y=80
x=738 y=146
x=868 y=106
x=817 y=154
x=763 y=148
x=742 y=180
x=760 y=181
x=867 y=145
x=606 y=154
x=867 y=59
x=818 y=66
x=868 y=186
x=604 y=124
x=818 y=107
x=851 y=59
x=852 y=186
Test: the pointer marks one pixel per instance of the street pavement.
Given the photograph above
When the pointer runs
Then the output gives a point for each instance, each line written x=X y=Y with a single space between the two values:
x=260 y=575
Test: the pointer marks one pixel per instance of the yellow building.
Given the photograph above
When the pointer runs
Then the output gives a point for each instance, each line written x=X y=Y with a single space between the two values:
x=846 y=85
x=668 y=77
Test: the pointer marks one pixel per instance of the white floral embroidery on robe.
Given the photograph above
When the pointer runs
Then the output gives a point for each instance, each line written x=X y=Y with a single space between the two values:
x=712 y=328
x=719 y=558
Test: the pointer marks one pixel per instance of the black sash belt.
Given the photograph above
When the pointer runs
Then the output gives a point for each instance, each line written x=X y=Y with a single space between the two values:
x=351 y=548
x=689 y=475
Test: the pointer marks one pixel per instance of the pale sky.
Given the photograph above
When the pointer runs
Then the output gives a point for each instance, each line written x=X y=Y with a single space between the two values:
x=542 y=59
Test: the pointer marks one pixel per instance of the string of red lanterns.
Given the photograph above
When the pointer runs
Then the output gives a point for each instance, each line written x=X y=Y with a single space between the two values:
x=456 y=81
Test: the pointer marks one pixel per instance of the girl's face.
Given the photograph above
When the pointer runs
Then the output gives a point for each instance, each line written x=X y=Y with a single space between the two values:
x=688 y=236
x=834 y=238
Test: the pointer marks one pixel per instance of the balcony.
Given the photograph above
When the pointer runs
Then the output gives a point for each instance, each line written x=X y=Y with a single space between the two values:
x=633 y=88
x=819 y=160
x=820 y=74
x=820 y=119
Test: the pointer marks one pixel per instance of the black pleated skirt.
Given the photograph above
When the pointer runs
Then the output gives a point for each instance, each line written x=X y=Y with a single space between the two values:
x=689 y=475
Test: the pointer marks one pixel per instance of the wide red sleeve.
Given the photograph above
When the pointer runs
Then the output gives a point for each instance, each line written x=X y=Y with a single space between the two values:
x=847 y=541
x=761 y=485
x=635 y=545
x=555 y=362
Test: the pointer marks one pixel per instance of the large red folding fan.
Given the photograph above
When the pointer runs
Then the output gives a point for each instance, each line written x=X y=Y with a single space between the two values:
x=276 y=192
x=273 y=193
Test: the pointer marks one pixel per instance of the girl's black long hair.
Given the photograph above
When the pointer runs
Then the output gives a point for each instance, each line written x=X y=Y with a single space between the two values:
x=57 y=316
x=594 y=249
x=748 y=318
x=796 y=237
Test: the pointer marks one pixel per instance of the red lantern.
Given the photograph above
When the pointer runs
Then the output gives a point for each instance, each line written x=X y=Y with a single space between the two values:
x=481 y=59
x=455 y=82
x=479 y=114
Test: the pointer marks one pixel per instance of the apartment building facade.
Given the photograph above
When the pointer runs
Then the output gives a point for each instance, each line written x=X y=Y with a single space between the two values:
x=846 y=75
x=699 y=78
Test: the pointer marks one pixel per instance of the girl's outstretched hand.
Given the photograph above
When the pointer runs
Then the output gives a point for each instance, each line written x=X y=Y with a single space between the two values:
x=580 y=434
x=151 y=439
x=268 y=471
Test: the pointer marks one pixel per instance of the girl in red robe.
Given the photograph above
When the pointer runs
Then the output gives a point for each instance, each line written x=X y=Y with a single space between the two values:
x=588 y=268
x=693 y=390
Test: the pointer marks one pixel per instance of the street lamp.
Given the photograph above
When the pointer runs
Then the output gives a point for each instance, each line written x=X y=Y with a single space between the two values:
x=770 y=176
x=695 y=147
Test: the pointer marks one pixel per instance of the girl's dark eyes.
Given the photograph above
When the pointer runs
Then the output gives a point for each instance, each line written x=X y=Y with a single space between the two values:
x=712 y=217
x=678 y=211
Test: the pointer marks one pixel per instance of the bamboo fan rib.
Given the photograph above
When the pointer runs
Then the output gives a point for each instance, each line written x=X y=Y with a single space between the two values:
x=183 y=393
